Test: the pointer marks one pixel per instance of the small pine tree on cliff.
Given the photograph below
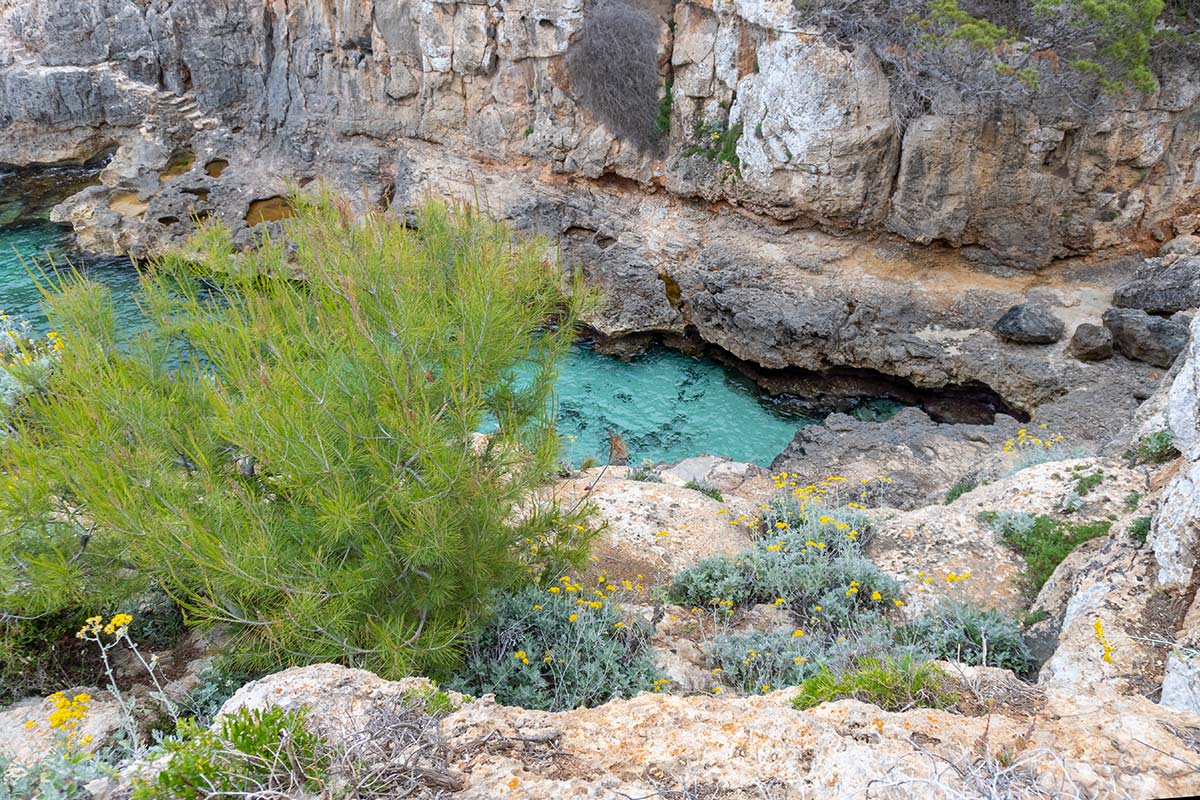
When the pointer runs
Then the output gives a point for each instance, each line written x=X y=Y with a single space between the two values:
x=293 y=455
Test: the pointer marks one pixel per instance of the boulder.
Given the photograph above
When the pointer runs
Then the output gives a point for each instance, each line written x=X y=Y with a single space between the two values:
x=1159 y=288
x=1030 y=323
x=1180 y=247
x=26 y=735
x=1091 y=342
x=1139 y=336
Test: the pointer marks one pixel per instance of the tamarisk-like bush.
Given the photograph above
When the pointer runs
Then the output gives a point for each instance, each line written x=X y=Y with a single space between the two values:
x=289 y=446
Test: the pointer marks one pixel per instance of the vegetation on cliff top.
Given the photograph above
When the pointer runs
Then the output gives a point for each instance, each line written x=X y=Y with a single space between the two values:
x=1048 y=52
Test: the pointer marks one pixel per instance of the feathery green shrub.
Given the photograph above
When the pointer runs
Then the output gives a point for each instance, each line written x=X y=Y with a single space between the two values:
x=289 y=448
x=897 y=684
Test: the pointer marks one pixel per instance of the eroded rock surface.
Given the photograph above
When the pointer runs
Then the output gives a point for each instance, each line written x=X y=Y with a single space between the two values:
x=785 y=266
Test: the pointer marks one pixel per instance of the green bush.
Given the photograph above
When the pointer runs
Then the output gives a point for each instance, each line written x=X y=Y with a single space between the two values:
x=296 y=458
x=557 y=650
x=704 y=488
x=214 y=686
x=959 y=489
x=892 y=684
x=970 y=635
x=1043 y=541
x=253 y=753
x=711 y=582
x=1157 y=448
x=1139 y=529
x=758 y=661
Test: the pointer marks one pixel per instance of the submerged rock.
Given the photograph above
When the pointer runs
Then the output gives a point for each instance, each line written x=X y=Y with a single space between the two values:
x=1030 y=323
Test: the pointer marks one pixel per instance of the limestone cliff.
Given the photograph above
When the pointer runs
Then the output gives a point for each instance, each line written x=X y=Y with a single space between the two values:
x=841 y=241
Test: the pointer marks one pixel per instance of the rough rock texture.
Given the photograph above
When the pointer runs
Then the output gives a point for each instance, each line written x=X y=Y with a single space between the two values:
x=921 y=548
x=1030 y=323
x=920 y=457
x=1160 y=288
x=1138 y=335
x=1091 y=342
x=1112 y=581
x=21 y=742
x=1175 y=536
x=1091 y=744
x=655 y=529
x=213 y=106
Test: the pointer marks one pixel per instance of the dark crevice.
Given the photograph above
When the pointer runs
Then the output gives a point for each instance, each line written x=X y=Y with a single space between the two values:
x=822 y=392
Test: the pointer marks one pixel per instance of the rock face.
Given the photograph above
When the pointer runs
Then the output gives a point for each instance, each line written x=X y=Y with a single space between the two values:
x=1140 y=336
x=654 y=529
x=1159 y=288
x=920 y=457
x=1030 y=323
x=214 y=107
x=1094 y=743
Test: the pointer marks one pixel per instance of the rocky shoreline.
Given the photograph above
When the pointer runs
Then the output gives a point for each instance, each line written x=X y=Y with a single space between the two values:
x=837 y=244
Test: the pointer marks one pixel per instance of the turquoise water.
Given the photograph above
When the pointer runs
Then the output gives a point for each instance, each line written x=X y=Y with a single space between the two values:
x=30 y=245
x=666 y=406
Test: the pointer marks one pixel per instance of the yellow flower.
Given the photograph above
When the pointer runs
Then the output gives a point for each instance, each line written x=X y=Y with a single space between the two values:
x=572 y=618
x=521 y=656
x=876 y=596
x=796 y=634
x=553 y=590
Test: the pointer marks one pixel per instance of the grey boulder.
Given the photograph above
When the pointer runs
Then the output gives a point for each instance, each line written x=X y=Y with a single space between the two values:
x=1030 y=323
x=1162 y=289
x=1091 y=343
x=1143 y=337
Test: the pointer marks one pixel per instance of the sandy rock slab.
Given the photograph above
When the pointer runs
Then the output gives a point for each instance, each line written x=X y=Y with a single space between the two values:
x=759 y=747
x=931 y=549
x=26 y=734
x=655 y=529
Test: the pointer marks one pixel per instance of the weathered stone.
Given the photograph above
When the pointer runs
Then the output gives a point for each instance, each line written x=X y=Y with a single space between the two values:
x=1181 y=682
x=1140 y=336
x=920 y=457
x=1091 y=342
x=26 y=735
x=1179 y=247
x=1030 y=323
x=654 y=743
x=1158 y=288
x=655 y=529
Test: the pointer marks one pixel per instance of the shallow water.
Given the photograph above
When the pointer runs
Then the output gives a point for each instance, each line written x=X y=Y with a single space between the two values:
x=665 y=405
